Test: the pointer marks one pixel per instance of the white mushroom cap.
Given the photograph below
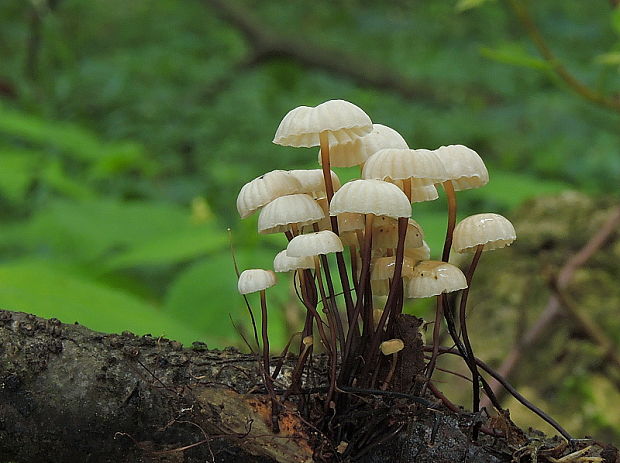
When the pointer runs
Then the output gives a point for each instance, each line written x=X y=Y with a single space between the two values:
x=254 y=280
x=358 y=151
x=385 y=234
x=313 y=244
x=392 y=346
x=492 y=230
x=431 y=278
x=343 y=122
x=420 y=253
x=370 y=197
x=422 y=166
x=279 y=214
x=285 y=263
x=264 y=189
x=383 y=268
x=313 y=183
x=465 y=167
x=419 y=193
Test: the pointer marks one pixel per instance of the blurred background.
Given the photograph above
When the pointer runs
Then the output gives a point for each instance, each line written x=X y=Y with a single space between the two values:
x=128 y=128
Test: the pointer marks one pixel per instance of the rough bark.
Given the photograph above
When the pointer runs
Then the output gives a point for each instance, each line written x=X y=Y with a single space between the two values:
x=71 y=394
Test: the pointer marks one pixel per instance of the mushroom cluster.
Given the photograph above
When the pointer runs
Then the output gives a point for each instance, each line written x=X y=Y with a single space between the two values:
x=380 y=255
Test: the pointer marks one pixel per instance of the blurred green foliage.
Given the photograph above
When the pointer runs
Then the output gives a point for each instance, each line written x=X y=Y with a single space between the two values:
x=127 y=129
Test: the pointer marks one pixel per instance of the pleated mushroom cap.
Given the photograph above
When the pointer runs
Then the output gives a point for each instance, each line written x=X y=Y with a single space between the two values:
x=383 y=268
x=313 y=183
x=279 y=214
x=492 y=230
x=370 y=197
x=343 y=122
x=254 y=280
x=464 y=166
x=392 y=346
x=385 y=234
x=264 y=189
x=422 y=166
x=358 y=151
x=284 y=263
x=420 y=253
x=432 y=277
x=313 y=244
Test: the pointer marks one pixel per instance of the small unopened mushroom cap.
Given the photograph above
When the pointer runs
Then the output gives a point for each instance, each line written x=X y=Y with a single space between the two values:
x=358 y=151
x=343 y=122
x=465 y=167
x=380 y=287
x=279 y=214
x=313 y=244
x=419 y=193
x=432 y=277
x=347 y=221
x=383 y=268
x=254 y=280
x=392 y=346
x=492 y=230
x=420 y=253
x=264 y=189
x=313 y=182
x=385 y=236
x=370 y=197
x=307 y=341
x=422 y=166
x=284 y=263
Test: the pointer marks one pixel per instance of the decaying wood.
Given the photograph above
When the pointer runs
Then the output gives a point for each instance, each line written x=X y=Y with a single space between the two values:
x=71 y=394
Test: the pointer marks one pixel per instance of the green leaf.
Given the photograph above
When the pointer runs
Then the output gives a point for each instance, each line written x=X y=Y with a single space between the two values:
x=87 y=230
x=463 y=5
x=615 y=20
x=171 y=249
x=49 y=291
x=205 y=295
x=17 y=172
x=515 y=55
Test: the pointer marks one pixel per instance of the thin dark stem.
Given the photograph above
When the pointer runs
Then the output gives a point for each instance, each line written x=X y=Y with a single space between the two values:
x=514 y=393
x=447 y=311
x=436 y=328
x=266 y=373
x=463 y=322
x=364 y=282
x=391 y=303
x=451 y=196
x=325 y=164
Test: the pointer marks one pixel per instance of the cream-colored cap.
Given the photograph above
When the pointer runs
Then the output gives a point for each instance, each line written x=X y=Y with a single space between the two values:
x=307 y=341
x=264 y=189
x=419 y=193
x=370 y=197
x=432 y=277
x=284 y=263
x=347 y=221
x=422 y=166
x=392 y=346
x=492 y=230
x=383 y=268
x=313 y=183
x=343 y=122
x=279 y=214
x=254 y=280
x=349 y=238
x=465 y=167
x=313 y=244
x=358 y=151
x=380 y=287
x=420 y=253
x=385 y=234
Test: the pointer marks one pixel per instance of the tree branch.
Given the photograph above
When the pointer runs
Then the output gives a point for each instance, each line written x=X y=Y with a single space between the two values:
x=553 y=308
x=581 y=89
x=267 y=44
